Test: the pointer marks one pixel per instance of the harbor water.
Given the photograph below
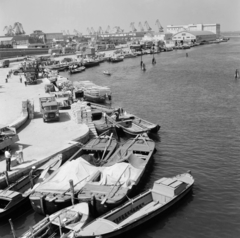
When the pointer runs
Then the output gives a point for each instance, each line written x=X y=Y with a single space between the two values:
x=196 y=100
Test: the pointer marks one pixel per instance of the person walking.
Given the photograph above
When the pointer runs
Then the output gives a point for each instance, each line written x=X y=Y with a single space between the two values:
x=20 y=79
x=8 y=159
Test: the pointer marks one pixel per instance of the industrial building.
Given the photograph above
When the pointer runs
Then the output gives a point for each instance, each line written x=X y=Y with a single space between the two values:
x=194 y=36
x=214 y=28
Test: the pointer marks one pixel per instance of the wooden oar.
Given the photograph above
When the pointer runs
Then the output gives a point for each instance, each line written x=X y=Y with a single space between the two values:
x=106 y=198
x=131 y=143
x=109 y=142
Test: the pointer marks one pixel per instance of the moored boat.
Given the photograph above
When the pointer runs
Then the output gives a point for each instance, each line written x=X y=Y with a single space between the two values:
x=129 y=123
x=54 y=194
x=164 y=194
x=69 y=219
x=125 y=170
x=116 y=59
x=17 y=193
x=91 y=63
x=77 y=70
x=106 y=72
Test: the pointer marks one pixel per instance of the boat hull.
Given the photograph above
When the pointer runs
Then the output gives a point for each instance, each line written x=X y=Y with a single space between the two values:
x=91 y=64
x=9 y=212
x=94 y=99
x=144 y=218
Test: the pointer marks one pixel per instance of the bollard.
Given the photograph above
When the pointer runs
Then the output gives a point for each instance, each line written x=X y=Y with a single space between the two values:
x=12 y=228
x=72 y=190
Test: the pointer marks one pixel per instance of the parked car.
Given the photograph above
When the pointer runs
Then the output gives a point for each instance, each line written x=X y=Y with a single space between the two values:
x=5 y=64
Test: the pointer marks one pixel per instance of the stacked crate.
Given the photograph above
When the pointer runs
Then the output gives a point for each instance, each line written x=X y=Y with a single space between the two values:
x=81 y=113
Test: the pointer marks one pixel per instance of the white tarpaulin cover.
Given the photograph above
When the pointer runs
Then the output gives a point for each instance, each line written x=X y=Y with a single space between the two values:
x=128 y=173
x=77 y=170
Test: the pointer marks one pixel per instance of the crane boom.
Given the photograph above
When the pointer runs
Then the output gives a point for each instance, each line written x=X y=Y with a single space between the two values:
x=147 y=26
x=107 y=30
x=133 y=27
x=140 y=26
x=160 y=28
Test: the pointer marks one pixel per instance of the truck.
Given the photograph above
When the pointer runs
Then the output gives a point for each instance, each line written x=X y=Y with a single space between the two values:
x=49 y=108
x=63 y=98
x=8 y=136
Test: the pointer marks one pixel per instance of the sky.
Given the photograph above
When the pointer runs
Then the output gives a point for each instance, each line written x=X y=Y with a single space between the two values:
x=58 y=15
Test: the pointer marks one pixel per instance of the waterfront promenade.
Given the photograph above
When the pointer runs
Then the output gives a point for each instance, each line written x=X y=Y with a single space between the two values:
x=39 y=140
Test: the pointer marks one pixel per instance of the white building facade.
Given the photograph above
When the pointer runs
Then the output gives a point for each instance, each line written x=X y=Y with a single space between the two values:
x=194 y=36
x=214 y=28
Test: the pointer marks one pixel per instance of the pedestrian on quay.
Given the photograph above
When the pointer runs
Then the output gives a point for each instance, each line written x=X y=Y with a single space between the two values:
x=25 y=82
x=6 y=79
x=8 y=159
x=20 y=79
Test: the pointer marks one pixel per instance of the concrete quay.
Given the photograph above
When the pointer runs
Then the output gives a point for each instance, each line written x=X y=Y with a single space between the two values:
x=40 y=141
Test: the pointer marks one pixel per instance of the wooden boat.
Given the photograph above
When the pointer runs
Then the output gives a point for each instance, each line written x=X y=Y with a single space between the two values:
x=77 y=70
x=129 y=123
x=106 y=73
x=88 y=96
x=164 y=194
x=116 y=59
x=59 y=67
x=125 y=169
x=52 y=195
x=17 y=193
x=69 y=219
x=89 y=64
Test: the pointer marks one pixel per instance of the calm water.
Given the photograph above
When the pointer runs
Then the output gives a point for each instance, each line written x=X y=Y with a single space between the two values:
x=196 y=102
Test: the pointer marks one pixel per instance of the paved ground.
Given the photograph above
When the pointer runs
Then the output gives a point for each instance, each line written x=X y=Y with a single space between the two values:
x=39 y=140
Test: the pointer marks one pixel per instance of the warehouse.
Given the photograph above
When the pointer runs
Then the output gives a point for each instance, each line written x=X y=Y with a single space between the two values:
x=194 y=36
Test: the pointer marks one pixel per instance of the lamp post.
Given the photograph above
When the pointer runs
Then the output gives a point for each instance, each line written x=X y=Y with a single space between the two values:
x=153 y=59
x=141 y=63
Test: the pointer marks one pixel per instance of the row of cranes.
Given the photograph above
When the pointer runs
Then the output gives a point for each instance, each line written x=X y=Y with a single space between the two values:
x=147 y=27
x=16 y=29
x=117 y=29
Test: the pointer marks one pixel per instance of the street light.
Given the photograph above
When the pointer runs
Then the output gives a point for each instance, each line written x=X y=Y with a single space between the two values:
x=141 y=63
x=153 y=59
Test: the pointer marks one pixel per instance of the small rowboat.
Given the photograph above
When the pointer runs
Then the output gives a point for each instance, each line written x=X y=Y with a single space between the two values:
x=164 y=194
x=68 y=219
x=106 y=73
x=77 y=70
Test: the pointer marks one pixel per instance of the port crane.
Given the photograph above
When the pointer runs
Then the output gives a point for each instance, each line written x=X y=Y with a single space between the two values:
x=89 y=31
x=140 y=26
x=133 y=27
x=147 y=26
x=77 y=33
x=160 y=28
x=92 y=30
x=10 y=31
x=118 y=29
x=16 y=29
x=107 y=30
x=100 y=30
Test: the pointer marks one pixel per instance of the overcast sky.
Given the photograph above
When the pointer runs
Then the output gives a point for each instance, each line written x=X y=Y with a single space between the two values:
x=57 y=15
